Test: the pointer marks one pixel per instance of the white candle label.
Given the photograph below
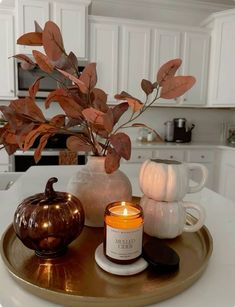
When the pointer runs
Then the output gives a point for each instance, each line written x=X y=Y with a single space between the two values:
x=124 y=244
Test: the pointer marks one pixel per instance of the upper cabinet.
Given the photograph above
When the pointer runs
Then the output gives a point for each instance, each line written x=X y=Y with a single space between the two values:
x=128 y=51
x=70 y=16
x=221 y=91
x=7 y=89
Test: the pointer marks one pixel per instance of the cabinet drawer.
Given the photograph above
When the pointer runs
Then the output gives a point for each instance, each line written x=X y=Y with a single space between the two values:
x=140 y=155
x=4 y=168
x=200 y=156
x=170 y=154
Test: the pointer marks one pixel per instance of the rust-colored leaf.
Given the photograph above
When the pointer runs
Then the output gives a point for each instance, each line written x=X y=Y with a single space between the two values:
x=75 y=143
x=119 y=110
x=30 y=39
x=112 y=161
x=35 y=87
x=176 y=86
x=100 y=100
x=147 y=86
x=70 y=107
x=122 y=144
x=58 y=120
x=122 y=96
x=32 y=135
x=27 y=66
x=41 y=145
x=168 y=70
x=135 y=104
x=11 y=148
x=89 y=76
x=104 y=120
x=43 y=61
x=82 y=86
x=27 y=106
x=52 y=41
x=23 y=57
x=53 y=96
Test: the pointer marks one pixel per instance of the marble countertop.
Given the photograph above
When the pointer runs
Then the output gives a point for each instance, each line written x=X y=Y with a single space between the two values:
x=214 y=288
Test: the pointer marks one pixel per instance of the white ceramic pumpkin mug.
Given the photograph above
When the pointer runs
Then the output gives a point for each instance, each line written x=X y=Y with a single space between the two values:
x=167 y=220
x=169 y=180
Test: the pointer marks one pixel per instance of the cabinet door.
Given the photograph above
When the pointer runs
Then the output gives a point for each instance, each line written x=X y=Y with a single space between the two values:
x=135 y=59
x=27 y=12
x=222 y=65
x=104 y=51
x=166 y=46
x=7 y=88
x=169 y=154
x=72 y=20
x=195 y=63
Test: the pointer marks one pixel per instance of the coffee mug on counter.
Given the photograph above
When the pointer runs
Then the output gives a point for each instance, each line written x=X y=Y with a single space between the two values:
x=167 y=220
x=168 y=180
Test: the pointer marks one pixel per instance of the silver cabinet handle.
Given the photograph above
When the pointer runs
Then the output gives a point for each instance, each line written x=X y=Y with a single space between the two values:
x=171 y=157
x=202 y=156
x=139 y=157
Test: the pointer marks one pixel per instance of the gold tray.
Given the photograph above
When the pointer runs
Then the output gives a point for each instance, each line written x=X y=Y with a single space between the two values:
x=76 y=280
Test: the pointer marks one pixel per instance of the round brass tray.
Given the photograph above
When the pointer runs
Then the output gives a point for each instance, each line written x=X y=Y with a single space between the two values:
x=75 y=279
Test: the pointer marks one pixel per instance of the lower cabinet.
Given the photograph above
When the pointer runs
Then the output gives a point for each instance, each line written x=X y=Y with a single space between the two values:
x=4 y=161
x=226 y=178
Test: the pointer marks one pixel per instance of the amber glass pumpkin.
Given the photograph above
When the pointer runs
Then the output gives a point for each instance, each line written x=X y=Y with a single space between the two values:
x=47 y=222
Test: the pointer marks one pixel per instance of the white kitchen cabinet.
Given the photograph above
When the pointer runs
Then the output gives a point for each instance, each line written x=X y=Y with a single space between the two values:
x=7 y=88
x=195 y=63
x=221 y=90
x=226 y=178
x=104 y=52
x=135 y=59
x=27 y=11
x=166 y=46
x=4 y=161
x=205 y=157
x=71 y=18
x=169 y=154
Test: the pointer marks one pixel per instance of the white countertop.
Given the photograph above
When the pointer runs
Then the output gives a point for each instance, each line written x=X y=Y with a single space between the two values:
x=214 y=288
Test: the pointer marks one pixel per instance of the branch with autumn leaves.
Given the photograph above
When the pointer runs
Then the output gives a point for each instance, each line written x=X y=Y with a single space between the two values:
x=84 y=105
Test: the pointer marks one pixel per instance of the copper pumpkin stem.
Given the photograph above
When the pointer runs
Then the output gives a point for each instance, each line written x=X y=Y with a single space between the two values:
x=49 y=191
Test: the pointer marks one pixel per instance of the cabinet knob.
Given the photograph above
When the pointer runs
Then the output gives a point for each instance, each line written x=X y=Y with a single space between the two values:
x=202 y=156
x=12 y=91
x=171 y=157
x=139 y=157
x=185 y=99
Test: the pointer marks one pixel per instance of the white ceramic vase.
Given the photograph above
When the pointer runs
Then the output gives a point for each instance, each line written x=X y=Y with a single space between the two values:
x=96 y=189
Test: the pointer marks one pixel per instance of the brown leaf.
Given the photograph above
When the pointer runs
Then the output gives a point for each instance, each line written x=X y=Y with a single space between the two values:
x=176 y=86
x=82 y=86
x=32 y=135
x=74 y=143
x=41 y=145
x=112 y=161
x=53 y=96
x=24 y=58
x=37 y=27
x=100 y=100
x=135 y=104
x=168 y=70
x=11 y=148
x=70 y=107
x=104 y=120
x=35 y=87
x=147 y=86
x=52 y=41
x=43 y=61
x=30 y=39
x=122 y=144
x=89 y=76
x=27 y=106
x=58 y=120
x=122 y=96
x=118 y=111
x=27 y=66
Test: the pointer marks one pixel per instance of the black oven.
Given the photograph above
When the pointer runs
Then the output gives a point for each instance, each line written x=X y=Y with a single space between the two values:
x=20 y=161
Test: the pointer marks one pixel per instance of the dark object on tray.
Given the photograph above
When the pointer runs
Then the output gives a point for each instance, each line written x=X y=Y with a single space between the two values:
x=161 y=257
x=48 y=222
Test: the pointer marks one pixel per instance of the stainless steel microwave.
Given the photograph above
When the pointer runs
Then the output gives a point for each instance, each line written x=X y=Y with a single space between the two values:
x=25 y=78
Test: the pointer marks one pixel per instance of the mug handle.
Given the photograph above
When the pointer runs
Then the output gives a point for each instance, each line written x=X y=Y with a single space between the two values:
x=204 y=172
x=201 y=219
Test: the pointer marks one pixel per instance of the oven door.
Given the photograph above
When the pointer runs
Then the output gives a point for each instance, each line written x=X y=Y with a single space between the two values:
x=21 y=161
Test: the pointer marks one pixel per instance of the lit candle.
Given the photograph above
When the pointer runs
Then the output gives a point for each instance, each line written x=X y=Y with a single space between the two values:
x=123 y=232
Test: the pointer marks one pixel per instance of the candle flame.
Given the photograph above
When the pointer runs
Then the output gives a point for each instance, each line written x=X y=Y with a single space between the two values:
x=125 y=212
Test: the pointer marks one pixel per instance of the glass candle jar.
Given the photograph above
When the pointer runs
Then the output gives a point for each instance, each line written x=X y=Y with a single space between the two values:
x=123 y=232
